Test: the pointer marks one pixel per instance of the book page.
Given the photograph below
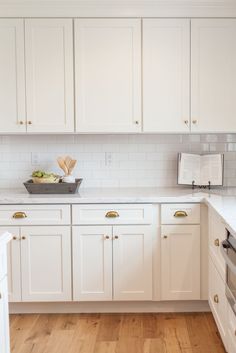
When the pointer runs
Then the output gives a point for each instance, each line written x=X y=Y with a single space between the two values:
x=212 y=169
x=189 y=169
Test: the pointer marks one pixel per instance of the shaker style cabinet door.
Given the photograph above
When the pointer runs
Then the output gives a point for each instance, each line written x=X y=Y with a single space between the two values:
x=180 y=262
x=12 y=76
x=108 y=75
x=4 y=317
x=46 y=263
x=92 y=263
x=132 y=262
x=213 y=69
x=166 y=75
x=49 y=75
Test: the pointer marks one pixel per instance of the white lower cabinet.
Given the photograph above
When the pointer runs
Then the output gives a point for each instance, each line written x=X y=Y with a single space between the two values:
x=4 y=321
x=92 y=263
x=46 y=263
x=180 y=262
x=39 y=263
x=218 y=300
x=112 y=263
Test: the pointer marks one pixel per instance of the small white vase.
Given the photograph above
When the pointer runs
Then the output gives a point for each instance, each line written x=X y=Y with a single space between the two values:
x=68 y=179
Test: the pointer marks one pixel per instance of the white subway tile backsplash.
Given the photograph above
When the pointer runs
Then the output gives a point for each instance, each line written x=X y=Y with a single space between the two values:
x=143 y=160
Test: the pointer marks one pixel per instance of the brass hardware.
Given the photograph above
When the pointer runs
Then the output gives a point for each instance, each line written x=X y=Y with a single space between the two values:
x=14 y=238
x=216 y=298
x=235 y=332
x=0 y=295
x=116 y=237
x=186 y=122
x=21 y=122
x=30 y=122
x=106 y=237
x=112 y=214
x=165 y=236
x=19 y=215
x=180 y=214
x=217 y=242
x=23 y=238
x=136 y=122
x=194 y=122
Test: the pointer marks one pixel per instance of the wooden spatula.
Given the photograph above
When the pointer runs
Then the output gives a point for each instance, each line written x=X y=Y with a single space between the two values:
x=62 y=165
x=72 y=165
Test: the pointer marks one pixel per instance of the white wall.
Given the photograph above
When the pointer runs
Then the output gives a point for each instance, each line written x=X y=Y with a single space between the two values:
x=111 y=160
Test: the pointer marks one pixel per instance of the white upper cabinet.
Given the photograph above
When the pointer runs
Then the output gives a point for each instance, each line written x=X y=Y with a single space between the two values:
x=108 y=75
x=12 y=76
x=49 y=75
x=166 y=75
x=213 y=75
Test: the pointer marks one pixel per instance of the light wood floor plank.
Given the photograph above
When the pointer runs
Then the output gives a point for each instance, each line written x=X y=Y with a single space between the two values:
x=115 y=333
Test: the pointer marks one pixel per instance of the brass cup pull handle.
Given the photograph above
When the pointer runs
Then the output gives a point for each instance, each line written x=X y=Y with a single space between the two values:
x=216 y=242
x=17 y=215
x=112 y=214
x=180 y=214
x=216 y=298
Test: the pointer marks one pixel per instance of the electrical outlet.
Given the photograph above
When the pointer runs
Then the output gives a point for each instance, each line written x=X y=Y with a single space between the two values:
x=108 y=159
x=35 y=158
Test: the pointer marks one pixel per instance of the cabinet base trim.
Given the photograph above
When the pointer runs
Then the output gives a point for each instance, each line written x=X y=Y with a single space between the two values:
x=110 y=307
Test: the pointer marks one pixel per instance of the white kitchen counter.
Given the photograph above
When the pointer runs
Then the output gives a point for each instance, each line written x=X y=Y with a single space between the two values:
x=223 y=201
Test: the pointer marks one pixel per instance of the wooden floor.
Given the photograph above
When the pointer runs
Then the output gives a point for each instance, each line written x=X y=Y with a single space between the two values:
x=115 y=333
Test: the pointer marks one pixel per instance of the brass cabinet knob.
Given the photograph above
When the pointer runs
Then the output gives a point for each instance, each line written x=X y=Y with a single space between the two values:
x=21 y=122
x=112 y=214
x=106 y=237
x=136 y=122
x=14 y=238
x=180 y=214
x=194 y=122
x=30 y=122
x=186 y=122
x=235 y=332
x=165 y=237
x=217 y=242
x=17 y=215
x=216 y=298
x=116 y=237
x=0 y=295
x=23 y=238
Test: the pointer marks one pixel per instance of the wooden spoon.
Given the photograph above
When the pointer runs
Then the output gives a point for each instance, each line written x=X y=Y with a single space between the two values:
x=72 y=165
x=68 y=159
x=62 y=165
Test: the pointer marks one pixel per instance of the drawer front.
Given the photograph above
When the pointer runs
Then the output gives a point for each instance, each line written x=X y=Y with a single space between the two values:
x=3 y=262
x=231 y=331
x=218 y=300
x=112 y=214
x=217 y=233
x=34 y=215
x=180 y=213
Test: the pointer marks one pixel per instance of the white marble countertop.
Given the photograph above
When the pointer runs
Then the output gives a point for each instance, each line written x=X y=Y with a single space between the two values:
x=5 y=238
x=106 y=195
x=223 y=201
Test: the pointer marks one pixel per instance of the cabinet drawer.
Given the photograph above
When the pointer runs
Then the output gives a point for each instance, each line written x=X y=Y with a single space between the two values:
x=112 y=214
x=231 y=331
x=34 y=214
x=217 y=233
x=180 y=213
x=218 y=300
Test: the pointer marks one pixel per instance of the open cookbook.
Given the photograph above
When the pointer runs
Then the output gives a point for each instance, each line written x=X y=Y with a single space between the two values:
x=200 y=170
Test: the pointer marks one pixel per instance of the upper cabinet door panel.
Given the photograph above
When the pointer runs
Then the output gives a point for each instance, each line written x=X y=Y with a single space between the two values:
x=12 y=76
x=49 y=75
x=213 y=75
x=166 y=75
x=108 y=75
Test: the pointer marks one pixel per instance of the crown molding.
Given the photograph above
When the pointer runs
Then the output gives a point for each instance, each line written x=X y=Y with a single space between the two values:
x=117 y=8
